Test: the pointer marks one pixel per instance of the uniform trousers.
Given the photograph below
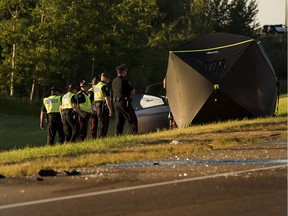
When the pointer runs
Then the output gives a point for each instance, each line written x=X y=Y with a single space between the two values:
x=124 y=111
x=94 y=124
x=70 y=125
x=55 y=125
x=83 y=126
x=103 y=118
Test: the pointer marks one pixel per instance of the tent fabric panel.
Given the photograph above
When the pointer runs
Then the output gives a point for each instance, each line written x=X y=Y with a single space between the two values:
x=266 y=85
x=220 y=107
x=267 y=58
x=187 y=90
x=273 y=100
x=251 y=83
x=209 y=41
x=172 y=88
x=214 y=65
x=245 y=79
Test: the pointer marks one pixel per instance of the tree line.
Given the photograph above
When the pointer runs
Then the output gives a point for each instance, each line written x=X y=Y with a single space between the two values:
x=56 y=42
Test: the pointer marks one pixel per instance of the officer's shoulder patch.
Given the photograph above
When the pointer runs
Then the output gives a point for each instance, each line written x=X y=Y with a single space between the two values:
x=106 y=88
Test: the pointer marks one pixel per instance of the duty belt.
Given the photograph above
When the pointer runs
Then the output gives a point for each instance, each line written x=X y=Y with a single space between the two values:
x=118 y=99
x=67 y=111
x=53 y=114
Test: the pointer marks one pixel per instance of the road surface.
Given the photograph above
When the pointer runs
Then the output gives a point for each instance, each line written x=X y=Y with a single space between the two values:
x=247 y=180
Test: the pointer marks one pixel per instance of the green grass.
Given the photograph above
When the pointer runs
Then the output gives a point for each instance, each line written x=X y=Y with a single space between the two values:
x=20 y=132
x=24 y=131
x=32 y=153
x=19 y=124
x=19 y=106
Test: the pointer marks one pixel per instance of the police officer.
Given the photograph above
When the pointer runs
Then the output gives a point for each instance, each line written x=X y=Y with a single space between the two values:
x=122 y=90
x=94 y=118
x=51 y=109
x=85 y=106
x=103 y=104
x=70 y=112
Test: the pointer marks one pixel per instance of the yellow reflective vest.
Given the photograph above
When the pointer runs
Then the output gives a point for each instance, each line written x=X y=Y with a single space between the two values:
x=91 y=90
x=98 y=94
x=52 y=103
x=85 y=107
x=66 y=100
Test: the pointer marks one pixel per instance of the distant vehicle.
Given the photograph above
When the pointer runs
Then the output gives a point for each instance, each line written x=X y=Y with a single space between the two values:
x=274 y=29
x=152 y=112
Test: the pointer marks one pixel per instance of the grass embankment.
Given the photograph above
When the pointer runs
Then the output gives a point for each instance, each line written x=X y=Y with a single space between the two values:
x=30 y=160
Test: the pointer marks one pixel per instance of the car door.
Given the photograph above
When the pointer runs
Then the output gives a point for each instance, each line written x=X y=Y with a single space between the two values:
x=151 y=111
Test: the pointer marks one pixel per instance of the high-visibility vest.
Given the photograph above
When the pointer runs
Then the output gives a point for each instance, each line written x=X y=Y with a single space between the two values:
x=85 y=107
x=91 y=89
x=52 y=103
x=98 y=94
x=66 y=100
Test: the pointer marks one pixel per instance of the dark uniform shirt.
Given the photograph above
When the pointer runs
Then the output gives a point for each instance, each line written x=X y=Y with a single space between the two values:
x=106 y=90
x=90 y=94
x=43 y=108
x=121 y=87
x=81 y=97
x=74 y=99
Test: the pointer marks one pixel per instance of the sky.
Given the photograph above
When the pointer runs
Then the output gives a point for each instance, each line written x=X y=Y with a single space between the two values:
x=271 y=12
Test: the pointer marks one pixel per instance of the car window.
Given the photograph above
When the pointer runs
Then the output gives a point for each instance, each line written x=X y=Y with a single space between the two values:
x=150 y=101
x=142 y=101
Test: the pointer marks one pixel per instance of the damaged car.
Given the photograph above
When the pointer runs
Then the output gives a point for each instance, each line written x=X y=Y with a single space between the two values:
x=152 y=112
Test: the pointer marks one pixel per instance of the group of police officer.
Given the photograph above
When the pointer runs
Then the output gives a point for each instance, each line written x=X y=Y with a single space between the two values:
x=70 y=114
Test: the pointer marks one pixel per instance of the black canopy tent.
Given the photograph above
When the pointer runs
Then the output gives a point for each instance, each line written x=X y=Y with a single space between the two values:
x=220 y=76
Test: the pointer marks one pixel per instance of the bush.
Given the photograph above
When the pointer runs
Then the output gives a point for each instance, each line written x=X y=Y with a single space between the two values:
x=19 y=106
x=276 y=48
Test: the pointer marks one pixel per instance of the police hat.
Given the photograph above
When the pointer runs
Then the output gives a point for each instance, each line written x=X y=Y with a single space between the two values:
x=54 y=88
x=84 y=84
x=121 y=67
x=73 y=85
x=94 y=81
x=105 y=74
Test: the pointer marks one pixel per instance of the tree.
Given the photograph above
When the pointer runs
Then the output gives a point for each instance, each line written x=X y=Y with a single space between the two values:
x=241 y=17
x=55 y=42
x=218 y=14
x=14 y=20
x=276 y=48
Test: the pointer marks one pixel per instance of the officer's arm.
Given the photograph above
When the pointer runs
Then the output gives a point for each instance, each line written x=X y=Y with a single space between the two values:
x=127 y=85
x=132 y=92
x=164 y=82
x=42 y=119
x=77 y=109
x=108 y=102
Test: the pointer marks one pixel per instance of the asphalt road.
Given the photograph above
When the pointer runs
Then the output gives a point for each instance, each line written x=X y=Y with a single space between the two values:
x=198 y=189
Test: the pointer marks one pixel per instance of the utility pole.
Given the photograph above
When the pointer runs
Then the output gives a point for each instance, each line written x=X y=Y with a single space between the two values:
x=286 y=29
x=93 y=67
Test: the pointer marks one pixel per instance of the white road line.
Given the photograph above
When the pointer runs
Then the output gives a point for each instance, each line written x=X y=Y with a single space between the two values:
x=136 y=187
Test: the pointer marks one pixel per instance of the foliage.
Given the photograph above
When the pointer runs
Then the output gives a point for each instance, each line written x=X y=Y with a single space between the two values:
x=17 y=106
x=276 y=48
x=54 y=42
x=242 y=15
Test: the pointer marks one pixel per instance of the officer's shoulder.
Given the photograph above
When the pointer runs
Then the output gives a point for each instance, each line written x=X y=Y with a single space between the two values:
x=106 y=87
